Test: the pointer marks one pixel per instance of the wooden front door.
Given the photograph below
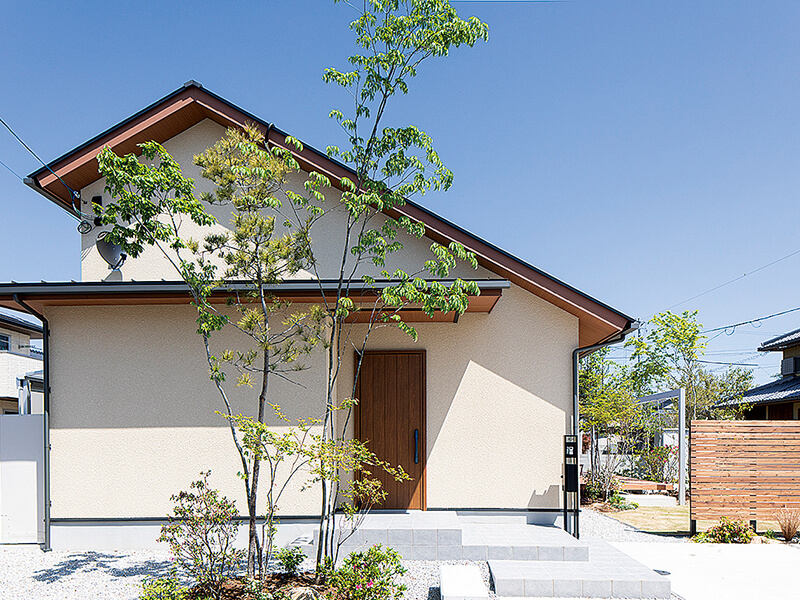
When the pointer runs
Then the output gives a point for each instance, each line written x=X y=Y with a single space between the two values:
x=390 y=417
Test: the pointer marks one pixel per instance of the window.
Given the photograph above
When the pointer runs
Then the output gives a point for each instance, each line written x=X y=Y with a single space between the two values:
x=4 y=342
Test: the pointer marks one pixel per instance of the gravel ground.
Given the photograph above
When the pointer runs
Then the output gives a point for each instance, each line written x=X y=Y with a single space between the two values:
x=27 y=573
x=594 y=524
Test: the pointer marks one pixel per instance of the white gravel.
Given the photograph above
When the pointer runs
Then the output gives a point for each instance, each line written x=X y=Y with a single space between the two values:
x=27 y=573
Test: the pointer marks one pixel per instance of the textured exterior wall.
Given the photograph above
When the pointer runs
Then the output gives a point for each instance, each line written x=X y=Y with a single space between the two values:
x=499 y=400
x=132 y=408
x=328 y=243
x=133 y=411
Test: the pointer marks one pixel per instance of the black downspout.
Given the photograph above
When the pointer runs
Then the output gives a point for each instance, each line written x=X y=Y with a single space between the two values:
x=576 y=406
x=46 y=377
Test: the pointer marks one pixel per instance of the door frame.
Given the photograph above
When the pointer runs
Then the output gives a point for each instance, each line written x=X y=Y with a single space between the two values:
x=423 y=441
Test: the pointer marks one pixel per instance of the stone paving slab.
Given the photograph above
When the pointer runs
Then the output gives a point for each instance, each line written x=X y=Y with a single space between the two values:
x=608 y=573
x=441 y=535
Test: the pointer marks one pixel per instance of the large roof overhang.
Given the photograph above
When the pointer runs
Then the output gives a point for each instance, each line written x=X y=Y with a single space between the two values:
x=192 y=104
x=40 y=296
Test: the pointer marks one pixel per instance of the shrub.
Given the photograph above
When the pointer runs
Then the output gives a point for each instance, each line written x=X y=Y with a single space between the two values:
x=290 y=559
x=162 y=588
x=659 y=463
x=727 y=531
x=789 y=521
x=620 y=503
x=200 y=534
x=369 y=575
x=769 y=534
x=601 y=485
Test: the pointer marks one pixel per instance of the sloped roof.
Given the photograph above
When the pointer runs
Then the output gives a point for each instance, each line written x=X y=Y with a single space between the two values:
x=192 y=103
x=780 y=390
x=786 y=340
x=21 y=325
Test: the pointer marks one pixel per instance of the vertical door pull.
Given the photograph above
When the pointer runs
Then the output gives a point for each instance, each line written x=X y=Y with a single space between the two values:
x=416 y=446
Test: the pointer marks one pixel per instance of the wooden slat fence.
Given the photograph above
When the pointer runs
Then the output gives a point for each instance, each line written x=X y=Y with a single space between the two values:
x=745 y=469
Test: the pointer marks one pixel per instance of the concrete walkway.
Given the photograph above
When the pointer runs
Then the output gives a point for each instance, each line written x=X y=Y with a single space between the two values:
x=723 y=571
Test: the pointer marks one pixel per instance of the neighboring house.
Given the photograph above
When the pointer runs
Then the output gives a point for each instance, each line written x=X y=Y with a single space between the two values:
x=132 y=411
x=777 y=400
x=31 y=393
x=17 y=357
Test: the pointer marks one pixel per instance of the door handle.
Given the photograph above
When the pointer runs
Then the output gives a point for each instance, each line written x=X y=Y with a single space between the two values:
x=416 y=446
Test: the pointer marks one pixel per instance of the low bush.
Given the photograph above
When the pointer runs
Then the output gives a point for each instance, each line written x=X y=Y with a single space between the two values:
x=370 y=575
x=163 y=588
x=200 y=534
x=727 y=531
x=290 y=559
x=620 y=503
x=789 y=521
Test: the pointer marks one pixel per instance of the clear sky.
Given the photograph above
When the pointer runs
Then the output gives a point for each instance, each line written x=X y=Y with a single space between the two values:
x=643 y=152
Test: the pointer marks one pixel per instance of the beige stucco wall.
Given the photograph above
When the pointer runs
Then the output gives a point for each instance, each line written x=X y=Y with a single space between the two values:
x=327 y=234
x=498 y=402
x=132 y=408
x=133 y=411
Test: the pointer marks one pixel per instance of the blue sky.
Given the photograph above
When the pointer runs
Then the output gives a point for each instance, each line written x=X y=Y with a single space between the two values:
x=643 y=152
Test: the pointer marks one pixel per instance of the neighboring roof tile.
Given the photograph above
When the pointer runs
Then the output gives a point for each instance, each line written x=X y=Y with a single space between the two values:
x=786 y=340
x=18 y=324
x=780 y=390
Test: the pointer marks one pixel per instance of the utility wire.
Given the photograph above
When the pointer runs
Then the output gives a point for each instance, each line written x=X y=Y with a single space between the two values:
x=761 y=268
x=735 y=325
x=12 y=171
x=73 y=193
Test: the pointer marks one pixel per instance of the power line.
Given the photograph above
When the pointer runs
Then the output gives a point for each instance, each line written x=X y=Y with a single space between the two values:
x=735 y=325
x=12 y=171
x=761 y=268
x=75 y=195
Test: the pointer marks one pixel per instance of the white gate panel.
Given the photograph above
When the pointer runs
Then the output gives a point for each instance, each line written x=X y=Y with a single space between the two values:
x=21 y=479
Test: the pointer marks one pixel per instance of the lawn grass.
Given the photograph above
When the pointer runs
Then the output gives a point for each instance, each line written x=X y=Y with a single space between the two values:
x=671 y=520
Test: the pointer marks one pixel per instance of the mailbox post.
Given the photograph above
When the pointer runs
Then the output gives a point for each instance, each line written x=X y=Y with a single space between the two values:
x=571 y=484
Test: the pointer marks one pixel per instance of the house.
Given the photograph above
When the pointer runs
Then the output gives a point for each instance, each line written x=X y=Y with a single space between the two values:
x=778 y=399
x=132 y=420
x=17 y=357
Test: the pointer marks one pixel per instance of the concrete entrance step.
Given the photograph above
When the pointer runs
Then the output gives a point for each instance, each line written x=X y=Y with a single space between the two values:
x=441 y=535
x=608 y=573
x=483 y=541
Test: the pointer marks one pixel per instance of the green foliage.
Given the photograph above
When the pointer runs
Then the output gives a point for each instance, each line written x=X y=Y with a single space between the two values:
x=290 y=559
x=617 y=501
x=370 y=575
x=659 y=463
x=163 y=588
x=769 y=534
x=727 y=531
x=669 y=358
x=257 y=590
x=201 y=532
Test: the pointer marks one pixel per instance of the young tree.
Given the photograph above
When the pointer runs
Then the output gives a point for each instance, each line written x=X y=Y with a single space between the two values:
x=670 y=357
x=271 y=239
x=150 y=202
x=389 y=165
